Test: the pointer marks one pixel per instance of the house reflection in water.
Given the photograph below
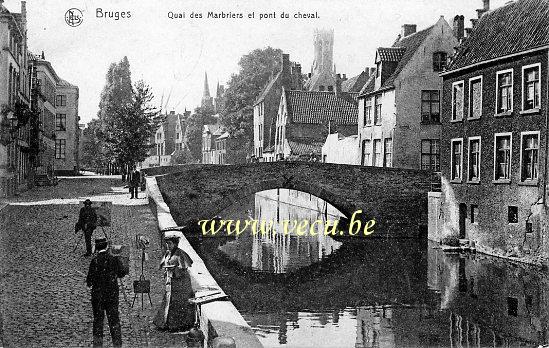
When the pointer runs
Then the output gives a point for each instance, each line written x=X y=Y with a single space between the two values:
x=372 y=292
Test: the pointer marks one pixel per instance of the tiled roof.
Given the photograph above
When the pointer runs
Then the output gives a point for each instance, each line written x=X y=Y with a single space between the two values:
x=515 y=27
x=411 y=43
x=369 y=85
x=301 y=148
x=355 y=84
x=268 y=88
x=319 y=107
x=390 y=54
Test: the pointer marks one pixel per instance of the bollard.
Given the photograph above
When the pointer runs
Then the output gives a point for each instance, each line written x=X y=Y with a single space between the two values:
x=195 y=338
x=223 y=342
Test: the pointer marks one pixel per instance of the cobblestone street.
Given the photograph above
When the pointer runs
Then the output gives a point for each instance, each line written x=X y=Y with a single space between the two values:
x=45 y=302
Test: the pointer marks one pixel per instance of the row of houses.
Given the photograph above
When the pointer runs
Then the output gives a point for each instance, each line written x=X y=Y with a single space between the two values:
x=468 y=103
x=38 y=116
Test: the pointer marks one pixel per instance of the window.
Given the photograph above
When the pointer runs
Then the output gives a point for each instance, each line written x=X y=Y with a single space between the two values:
x=457 y=159
x=504 y=99
x=531 y=87
x=60 y=148
x=474 y=214
x=321 y=88
x=60 y=122
x=377 y=153
x=475 y=97
x=512 y=214
x=368 y=111
x=377 y=112
x=330 y=88
x=529 y=156
x=388 y=153
x=430 y=106
x=439 y=61
x=502 y=155
x=61 y=100
x=430 y=155
x=512 y=306
x=457 y=101
x=474 y=159
x=366 y=152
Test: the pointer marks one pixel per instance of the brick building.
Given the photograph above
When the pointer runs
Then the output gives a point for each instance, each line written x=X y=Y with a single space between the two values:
x=494 y=119
x=67 y=131
x=210 y=133
x=305 y=118
x=15 y=163
x=44 y=91
x=399 y=107
x=266 y=106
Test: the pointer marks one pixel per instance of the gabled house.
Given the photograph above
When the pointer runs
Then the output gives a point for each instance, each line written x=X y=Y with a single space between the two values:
x=494 y=140
x=399 y=106
x=266 y=106
x=305 y=118
x=210 y=132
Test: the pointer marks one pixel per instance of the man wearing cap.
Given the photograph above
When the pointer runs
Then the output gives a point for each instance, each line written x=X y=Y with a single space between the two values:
x=87 y=221
x=102 y=278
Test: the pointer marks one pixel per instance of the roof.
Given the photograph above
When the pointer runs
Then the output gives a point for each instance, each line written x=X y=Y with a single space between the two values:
x=212 y=128
x=516 y=27
x=315 y=107
x=369 y=85
x=390 y=54
x=64 y=83
x=301 y=148
x=355 y=83
x=411 y=44
x=268 y=88
x=223 y=136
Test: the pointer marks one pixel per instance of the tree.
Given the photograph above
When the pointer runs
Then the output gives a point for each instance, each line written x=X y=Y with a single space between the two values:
x=137 y=122
x=92 y=155
x=256 y=69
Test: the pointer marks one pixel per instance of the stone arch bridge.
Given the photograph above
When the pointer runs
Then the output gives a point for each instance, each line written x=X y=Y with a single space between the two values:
x=395 y=198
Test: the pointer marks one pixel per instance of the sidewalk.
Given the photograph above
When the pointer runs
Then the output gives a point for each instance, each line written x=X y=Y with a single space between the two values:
x=45 y=302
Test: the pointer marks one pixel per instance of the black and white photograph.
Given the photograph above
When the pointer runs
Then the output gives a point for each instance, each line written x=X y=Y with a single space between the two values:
x=274 y=174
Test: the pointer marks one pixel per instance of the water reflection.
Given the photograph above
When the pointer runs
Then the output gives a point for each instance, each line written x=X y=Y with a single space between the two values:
x=274 y=251
x=372 y=292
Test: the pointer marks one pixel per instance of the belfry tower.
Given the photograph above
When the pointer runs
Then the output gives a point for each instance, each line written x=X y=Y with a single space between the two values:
x=322 y=72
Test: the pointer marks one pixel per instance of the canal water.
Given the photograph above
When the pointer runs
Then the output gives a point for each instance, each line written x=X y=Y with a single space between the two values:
x=316 y=291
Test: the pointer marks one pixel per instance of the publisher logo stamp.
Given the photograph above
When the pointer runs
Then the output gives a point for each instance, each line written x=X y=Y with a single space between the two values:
x=74 y=17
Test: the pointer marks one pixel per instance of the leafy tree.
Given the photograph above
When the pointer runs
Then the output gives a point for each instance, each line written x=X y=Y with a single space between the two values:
x=256 y=70
x=92 y=157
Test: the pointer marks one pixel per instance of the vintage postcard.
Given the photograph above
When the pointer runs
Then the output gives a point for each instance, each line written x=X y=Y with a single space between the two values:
x=308 y=174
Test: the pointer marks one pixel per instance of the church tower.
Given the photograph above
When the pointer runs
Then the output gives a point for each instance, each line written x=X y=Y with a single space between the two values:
x=207 y=100
x=322 y=72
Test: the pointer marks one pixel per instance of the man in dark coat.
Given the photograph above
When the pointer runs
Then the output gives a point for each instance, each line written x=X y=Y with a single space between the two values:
x=135 y=181
x=87 y=221
x=102 y=278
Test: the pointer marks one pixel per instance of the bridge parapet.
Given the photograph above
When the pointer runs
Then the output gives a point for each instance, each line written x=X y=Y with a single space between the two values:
x=395 y=198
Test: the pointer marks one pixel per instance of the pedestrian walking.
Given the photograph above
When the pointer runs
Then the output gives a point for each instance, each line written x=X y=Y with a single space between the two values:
x=176 y=313
x=135 y=181
x=102 y=278
x=87 y=222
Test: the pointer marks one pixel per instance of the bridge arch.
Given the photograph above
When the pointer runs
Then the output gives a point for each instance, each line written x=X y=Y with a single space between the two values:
x=395 y=198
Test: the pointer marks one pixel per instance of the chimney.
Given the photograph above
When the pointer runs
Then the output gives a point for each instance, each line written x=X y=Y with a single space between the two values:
x=344 y=77
x=408 y=29
x=468 y=31
x=43 y=57
x=286 y=64
x=372 y=71
x=486 y=5
x=459 y=26
x=338 y=85
x=172 y=112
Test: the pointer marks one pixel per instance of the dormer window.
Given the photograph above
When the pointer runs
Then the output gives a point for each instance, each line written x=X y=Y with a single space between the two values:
x=439 y=61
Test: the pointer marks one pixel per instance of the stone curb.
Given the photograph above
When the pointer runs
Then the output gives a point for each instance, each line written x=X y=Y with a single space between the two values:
x=220 y=316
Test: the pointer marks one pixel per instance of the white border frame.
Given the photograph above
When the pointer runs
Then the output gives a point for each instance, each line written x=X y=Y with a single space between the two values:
x=452 y=179
x=522 y=134
x=522 y=100
x=496 y=135
x=470 y=109
x=501 y=72
x=452 y=116
x=469 y=158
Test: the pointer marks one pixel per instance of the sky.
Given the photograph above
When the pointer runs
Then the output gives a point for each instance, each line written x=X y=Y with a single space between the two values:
x=172 y=54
